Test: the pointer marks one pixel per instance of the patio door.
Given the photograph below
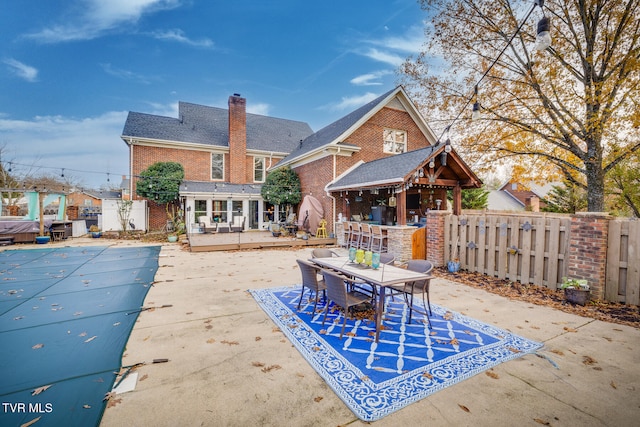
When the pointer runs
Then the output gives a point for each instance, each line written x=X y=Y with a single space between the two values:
x=254 y=220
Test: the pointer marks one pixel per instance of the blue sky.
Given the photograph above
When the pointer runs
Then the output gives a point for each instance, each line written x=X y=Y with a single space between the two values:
x=71 y=70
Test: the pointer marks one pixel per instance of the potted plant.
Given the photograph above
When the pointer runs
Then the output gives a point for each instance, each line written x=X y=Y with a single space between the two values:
x=576 y=291
x=276 y=230
x=454 y=264
x=172 y=237
x=95 y=231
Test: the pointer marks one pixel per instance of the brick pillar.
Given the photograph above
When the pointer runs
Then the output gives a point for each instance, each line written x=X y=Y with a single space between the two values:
x=72 y=212
x=13 y=210
x=588 y=250
x=435 y=237
x=237 y=139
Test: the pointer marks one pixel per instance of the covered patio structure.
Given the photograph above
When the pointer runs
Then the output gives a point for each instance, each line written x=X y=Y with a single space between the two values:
x=410 y=184
x=400 y=192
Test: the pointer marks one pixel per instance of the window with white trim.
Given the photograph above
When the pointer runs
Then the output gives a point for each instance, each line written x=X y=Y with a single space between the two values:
x=395 y=141
x=217 y=166
x=259 y=169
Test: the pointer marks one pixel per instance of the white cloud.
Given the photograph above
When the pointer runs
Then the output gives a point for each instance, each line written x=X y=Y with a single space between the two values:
x=126 y=74
x=410 y=42
x=98 y=17
x=178 y=35
x=349 y=103
x=22 y=70
x=87 y=148
x=259 y=108
x=384 y=56
x=370 y=79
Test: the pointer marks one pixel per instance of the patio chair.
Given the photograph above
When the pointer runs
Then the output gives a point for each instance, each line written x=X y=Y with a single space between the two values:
x=310 y=281
x=207 y=225
x=338 y=293
x=387 y=258
x=237 y=226
x=323 y=253
x=346 y=234
x=409 y=289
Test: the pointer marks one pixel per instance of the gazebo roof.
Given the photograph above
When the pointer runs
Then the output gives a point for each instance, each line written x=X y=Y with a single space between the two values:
x=396 y=170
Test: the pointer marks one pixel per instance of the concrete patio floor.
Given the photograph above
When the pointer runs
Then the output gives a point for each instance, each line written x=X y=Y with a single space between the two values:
x=230 y=366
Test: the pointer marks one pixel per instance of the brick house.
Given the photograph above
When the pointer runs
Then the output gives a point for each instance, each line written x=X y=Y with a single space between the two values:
x=226 y=155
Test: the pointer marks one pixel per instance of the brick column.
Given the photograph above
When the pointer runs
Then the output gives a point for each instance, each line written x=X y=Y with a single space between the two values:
x=435 y=237
x=72 y=212
x=588 y=250
x=13 y=210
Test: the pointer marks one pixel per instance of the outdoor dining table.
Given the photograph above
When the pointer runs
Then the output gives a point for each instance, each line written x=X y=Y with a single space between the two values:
x=382 y=277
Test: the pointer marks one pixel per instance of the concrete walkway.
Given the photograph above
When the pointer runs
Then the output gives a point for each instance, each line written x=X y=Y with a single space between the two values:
x=230 y=366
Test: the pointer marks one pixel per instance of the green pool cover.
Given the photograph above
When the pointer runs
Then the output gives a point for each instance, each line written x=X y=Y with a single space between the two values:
x=65 y=318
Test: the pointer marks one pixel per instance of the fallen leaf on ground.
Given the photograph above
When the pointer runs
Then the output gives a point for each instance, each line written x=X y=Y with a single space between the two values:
x=258 y=338
x=464 y=408
x=258 y=364
x=318 y=399
x=492 y=375
x=544 y=423
x=211 y=340
x=230 y=342
x=613 y=385
x=37 y=346
x=568 y=329
x=427 y=375
x=558 y=352
x=587 y=360
x=144 y=377
x=40 y=389
x=270 y=368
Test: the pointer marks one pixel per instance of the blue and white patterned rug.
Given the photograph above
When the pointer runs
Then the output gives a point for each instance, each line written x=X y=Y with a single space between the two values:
x=409 y=362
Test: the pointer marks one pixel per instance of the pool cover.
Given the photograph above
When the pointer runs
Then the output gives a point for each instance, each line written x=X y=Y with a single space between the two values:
x=65 y=317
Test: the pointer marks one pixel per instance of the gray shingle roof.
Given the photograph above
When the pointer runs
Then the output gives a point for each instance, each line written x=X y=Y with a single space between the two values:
x=219 y=187
x=388 y=170
x=329 y=133
x=209 y=125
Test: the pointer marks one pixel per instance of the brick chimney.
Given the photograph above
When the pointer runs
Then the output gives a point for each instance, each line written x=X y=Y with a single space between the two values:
x=237 y=139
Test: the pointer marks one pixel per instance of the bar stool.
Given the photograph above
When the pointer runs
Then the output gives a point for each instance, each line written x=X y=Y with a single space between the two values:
x=354 y=240
x=322 y=229
x=346 y=233
x=378 y=239
x=365 y=236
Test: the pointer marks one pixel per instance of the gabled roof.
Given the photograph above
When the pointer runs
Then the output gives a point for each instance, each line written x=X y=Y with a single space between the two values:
x=201 y=124
x=102 y=194
x=335 y=133
x=385 y=171
x=395 y=170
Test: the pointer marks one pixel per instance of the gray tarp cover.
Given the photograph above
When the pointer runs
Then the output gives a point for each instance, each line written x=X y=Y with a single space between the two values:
x=65 y=318
x=310 y=214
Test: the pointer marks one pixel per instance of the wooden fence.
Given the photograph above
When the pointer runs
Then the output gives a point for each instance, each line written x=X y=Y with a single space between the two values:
x=534 y=248
x=518 y=247
x=623 y=262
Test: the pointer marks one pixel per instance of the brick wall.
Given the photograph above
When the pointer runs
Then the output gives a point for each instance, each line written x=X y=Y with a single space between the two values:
x=369 y=137
x=313 y=177
x=238 y=140
x=588 y=250
x=435 y=237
